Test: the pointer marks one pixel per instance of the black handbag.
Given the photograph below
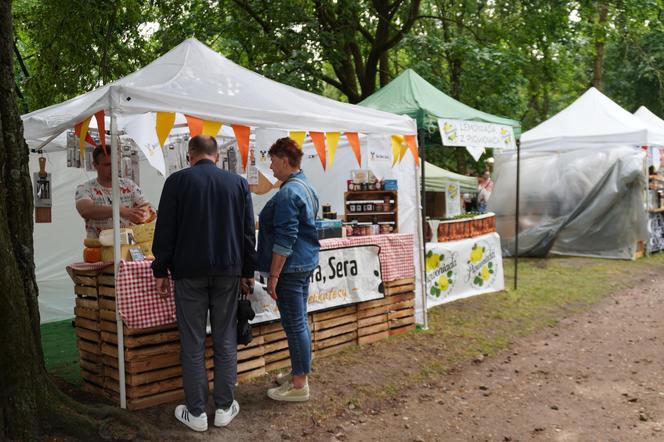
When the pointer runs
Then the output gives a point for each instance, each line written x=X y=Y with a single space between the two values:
x=244 y=314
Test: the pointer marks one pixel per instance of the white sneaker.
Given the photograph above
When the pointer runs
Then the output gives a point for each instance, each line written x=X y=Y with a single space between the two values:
x=288 y=393
x=224 y=417
x=199 y=423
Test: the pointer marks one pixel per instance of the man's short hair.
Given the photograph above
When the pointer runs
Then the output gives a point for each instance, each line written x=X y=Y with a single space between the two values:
x=99 y=150
x=287 y=148
x=203 y=144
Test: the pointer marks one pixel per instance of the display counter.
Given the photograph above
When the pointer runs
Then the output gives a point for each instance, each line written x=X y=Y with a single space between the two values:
x=350 y=303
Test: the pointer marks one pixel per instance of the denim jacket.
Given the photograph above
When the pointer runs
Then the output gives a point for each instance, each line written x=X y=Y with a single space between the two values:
x=287 y=227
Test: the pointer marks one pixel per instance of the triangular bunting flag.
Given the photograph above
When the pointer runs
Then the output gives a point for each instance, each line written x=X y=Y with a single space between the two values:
x=211 y=128
x=404 y=148
x=397 y=141
x=81 y=130
x=165 y=122
x=242 y=137
x=195 y=125
x=354 y=140
x=412 y=144
x=318 y=138
x=101 y=130
x=332 y=141
x=298 y=137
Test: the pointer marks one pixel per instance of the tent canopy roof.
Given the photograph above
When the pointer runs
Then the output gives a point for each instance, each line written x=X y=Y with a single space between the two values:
x=436 y=177
x=654 y=123
x=193 y=79
x=593 y=121
x=409 y=93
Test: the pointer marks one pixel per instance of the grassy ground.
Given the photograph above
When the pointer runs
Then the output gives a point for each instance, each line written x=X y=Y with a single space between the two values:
x=549 y=289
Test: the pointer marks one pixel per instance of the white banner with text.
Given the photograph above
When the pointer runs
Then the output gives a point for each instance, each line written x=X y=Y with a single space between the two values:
x=459 y=269
x=476 y=134
x=344 y=276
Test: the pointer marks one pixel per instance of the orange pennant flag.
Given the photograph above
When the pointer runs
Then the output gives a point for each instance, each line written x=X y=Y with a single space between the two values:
x=211 y=128
x=298 y=137
x=195 y=125
x=354 y=140
x=412 y=144
x=101 y=130
x=318 y=138
x=242 y=137
x=165 y=122
x=332 y=141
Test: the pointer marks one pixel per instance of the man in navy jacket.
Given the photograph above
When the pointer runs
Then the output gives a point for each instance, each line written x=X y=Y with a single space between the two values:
x=205 y=238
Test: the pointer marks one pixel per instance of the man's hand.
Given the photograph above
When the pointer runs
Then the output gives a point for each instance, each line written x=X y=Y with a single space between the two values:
x=247 y=286
x=163 y=287
x=134 y=214
x=272 y=287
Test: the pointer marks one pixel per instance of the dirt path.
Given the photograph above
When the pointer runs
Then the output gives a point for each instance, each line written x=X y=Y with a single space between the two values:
x=595 y=376
x=598 y=376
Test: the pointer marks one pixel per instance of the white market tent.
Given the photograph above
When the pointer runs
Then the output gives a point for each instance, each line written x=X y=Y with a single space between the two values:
x=582 y=180
x=192 y=79
x=653 y=122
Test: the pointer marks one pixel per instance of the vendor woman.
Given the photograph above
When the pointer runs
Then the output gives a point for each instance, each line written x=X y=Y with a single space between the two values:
x=94 y=198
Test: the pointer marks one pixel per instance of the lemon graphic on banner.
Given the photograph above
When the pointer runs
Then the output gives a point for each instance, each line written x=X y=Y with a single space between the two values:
x=476 y=254
x=432 y=262
x=485 y=273
x=443 y=283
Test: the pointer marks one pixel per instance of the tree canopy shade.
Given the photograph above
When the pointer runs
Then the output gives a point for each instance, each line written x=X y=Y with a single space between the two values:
x=409 y=94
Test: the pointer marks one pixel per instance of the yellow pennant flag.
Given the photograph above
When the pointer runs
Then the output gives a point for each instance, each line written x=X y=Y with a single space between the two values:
x=404 y=148
x=332 y=141
x=211 y=128
x=165 y=122
x=397 y=146
x=84 y=134
x=298 y=137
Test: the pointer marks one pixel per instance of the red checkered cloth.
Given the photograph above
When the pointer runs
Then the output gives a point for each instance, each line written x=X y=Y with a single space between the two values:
x=396 y=252
x=139 y=304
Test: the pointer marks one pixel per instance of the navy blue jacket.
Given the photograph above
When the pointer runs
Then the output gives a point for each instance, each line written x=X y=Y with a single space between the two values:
x=199 y=225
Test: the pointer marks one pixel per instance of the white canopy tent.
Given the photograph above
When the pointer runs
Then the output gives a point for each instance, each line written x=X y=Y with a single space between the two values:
x=653 y=122
x=582 y=181
x=192 y=79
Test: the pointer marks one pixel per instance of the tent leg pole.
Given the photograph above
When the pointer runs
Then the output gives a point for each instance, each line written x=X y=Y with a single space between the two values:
x=422 y=220
x=516 y=216
x=115 y=184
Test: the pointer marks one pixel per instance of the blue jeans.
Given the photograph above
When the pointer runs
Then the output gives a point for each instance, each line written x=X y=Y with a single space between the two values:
x=292 y=295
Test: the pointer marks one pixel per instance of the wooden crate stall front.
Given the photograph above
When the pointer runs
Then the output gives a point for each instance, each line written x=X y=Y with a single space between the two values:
x=153 y=374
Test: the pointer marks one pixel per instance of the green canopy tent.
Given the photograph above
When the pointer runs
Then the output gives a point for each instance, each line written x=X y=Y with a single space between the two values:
x=409 y=94
x=437 y=177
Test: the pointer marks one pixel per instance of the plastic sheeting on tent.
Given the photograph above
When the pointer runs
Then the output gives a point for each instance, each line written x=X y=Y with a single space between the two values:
x=582 y=181
x=593 y=121
x=193 y=79
x=408 y=94
x=436 y=178
x=584 y=203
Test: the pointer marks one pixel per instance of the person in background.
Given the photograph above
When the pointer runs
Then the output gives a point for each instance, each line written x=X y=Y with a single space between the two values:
x=94 y=198
x=205 y=238
x=288 y=253
x=488 y=182
x=483 y=193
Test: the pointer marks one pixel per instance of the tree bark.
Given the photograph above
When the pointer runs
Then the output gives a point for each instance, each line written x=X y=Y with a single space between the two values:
x=600 y=43
x=30 y=405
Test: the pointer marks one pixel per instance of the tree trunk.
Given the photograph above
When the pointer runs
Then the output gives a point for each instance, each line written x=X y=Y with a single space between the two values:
x=30 y=405
x=600 y=42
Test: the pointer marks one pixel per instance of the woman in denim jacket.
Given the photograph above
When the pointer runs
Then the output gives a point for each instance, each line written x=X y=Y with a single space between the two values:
x=288 y=252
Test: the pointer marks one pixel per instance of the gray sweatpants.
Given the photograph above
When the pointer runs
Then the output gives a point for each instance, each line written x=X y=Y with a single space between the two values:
x=193 y=298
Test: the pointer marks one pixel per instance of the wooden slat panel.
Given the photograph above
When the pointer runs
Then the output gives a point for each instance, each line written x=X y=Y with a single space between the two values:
x=89 y=303
x=328 y=314
x=90 y=281
x=372 y=320
x=398 y=282
x=276 y=356
x=276 y=336
x=134 y=341
x=89 y=346
x=336 y=340
x=333 y=322
x=108 y=280
x=86 y=313
x=82 y=290
x=372 y=312
x=247 y=375
x=373 y=329
x=400 y=330
x=250 y=353
x=108 y=292
x=396 y=323
x=328 y=333
x=372 y=304
x=88 y=335
x=251 y=364
x=401 y=313
x=276 y=345
x=335 y=349
x=107 y=304
x=277 y=365
x=389 y=291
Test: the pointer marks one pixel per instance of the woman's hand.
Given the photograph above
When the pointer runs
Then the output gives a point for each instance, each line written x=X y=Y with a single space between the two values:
x=272 y=286
x=163 y=287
